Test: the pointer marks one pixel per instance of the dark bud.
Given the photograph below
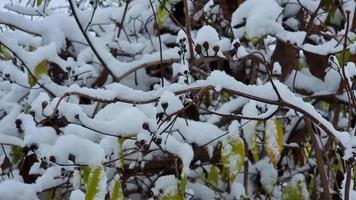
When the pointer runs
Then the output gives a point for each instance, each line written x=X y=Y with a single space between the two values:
x=52 y=159
x=33 y=147
x=237 y=45
x=142 y=142
x=145 y=126
x=137 y=143
x=232 y=52
x=71 y=157
x=7 y=76
x=145 y=147
x=179 y=53
x=198 y=48
x=186 y=81
x=158 y=141
x=32 y=113
x=206 y=45
x=184 y=39
x=168 y=117
x=288 y=41
x=68 y=68
x=185 y=72
x=44 y=165
x=76 y=116
x=63 y=171
x=216 y=49
x=44 y=104
x=164 y=105
x=18 y=123
x=332 y=58
x=159 y=115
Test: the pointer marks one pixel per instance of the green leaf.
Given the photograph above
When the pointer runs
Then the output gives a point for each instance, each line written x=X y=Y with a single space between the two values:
x=85 y=174
x=162 y=13
x=171 y=197
x=172 y=189
x=225 y=96
x=254 y=148
x=182 y=185
x=214 y=175
x=233 y=156
x=121 y=140
x=93 y=183
x=117 y=193
x=340 y=55
x=293 y=191
x=16 y=154
x=40 y=69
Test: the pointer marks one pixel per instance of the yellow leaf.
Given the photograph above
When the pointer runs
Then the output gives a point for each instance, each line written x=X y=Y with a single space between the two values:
x=94 y=189
x=38 y=3
x=214 y=175
x=40 y=69
x=161 y=13
x=5 y=53
x=117 y=193
x=233 y=156
x=273 y=140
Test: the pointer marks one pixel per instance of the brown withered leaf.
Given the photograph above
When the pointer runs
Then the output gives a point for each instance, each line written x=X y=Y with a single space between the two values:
x=317 y=64
x=228 y=7
x=287 y=56
x=25 y=167
x=353 y=58
x=6 y=164
x=56 y=73
x=190 y=113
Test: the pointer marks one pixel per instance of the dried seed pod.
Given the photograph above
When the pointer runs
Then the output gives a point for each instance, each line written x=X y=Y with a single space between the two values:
x=206 y=45
x=237 y=45
x=198 y=48
x=216 y=49
x=145 y=126
x=164 y=105
x=44 y=104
